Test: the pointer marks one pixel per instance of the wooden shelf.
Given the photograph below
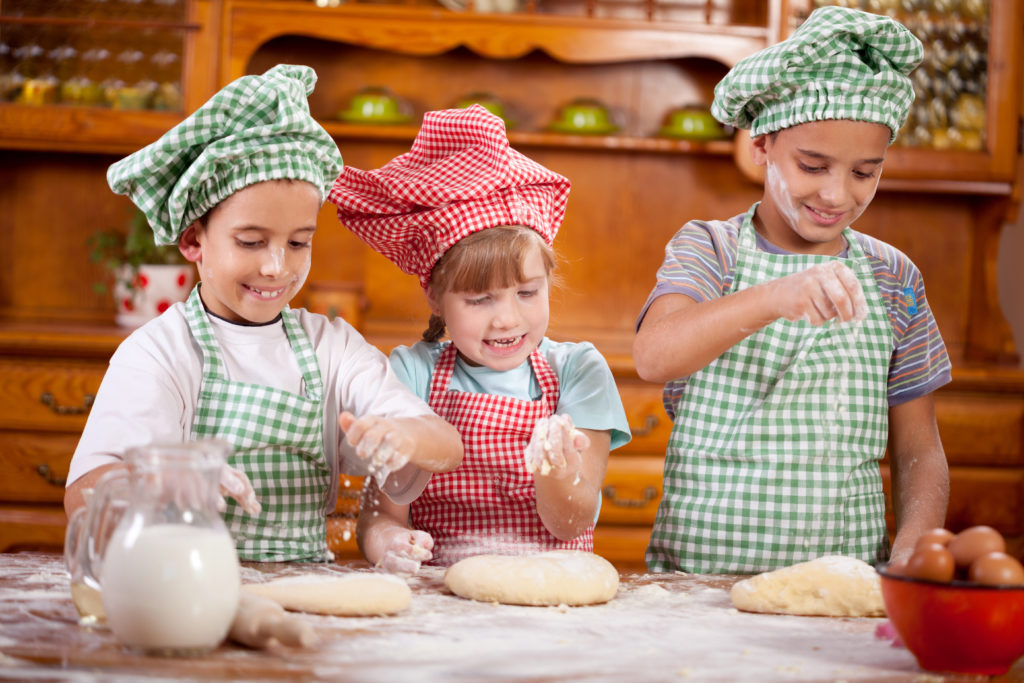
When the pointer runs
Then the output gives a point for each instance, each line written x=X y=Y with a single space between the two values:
x=81 y=129
x=575 y=40
x=342 y=131
x=90 y=22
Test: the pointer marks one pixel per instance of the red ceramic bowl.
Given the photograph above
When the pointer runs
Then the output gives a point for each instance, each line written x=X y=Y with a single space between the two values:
x=959 y=627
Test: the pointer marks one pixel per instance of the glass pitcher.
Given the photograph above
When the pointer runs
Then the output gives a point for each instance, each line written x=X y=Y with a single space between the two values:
x=152 y=547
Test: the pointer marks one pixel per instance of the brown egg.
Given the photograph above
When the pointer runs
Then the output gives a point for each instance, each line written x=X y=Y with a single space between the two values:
x=940 y=536
x=972 y=543
x=996 y=569
x=932 y=562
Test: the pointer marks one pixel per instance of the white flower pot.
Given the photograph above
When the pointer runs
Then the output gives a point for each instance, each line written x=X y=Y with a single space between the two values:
x=155 y=289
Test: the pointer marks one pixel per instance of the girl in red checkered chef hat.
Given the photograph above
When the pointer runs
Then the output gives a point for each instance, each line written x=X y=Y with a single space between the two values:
x=474 y=220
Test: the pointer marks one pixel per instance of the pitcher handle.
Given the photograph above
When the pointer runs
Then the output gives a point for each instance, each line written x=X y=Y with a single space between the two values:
x=85 y=542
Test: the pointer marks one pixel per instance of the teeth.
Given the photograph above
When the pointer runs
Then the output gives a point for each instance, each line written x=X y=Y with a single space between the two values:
x=504 y=342
x=265 y=293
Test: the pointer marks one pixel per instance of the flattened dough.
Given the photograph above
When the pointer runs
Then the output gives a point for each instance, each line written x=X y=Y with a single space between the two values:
x=830 y=586
x=355 y=595
x=558 y=577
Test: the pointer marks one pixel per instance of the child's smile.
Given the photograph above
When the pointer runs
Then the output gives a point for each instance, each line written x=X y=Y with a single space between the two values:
x=507 y=345
x=819 y=178
x=501 y=327
x=254 y=252
x=265 y=293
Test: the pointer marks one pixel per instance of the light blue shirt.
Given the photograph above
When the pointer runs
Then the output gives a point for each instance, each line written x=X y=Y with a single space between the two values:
x=587 y=391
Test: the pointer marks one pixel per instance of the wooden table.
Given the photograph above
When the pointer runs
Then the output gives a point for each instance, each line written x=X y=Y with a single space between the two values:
x=660 y=627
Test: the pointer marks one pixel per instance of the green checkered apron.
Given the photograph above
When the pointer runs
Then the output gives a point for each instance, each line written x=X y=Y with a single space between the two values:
x=773 y=459
x=278 y=442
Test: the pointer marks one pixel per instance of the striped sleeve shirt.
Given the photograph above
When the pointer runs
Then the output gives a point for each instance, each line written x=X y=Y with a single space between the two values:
x=700 y=262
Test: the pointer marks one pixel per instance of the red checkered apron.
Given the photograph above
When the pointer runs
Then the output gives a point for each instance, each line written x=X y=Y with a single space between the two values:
x=489 y=504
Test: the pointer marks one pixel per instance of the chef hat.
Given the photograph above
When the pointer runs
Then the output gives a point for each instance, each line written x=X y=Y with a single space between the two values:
x=460 y=177
x=256 y=128
x=839 y=64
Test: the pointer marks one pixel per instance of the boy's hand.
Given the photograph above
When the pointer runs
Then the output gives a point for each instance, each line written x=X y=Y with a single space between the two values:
x=406 y=549
x=555 y=447
x=820 y=293
x=379 y=442
x=236 y=484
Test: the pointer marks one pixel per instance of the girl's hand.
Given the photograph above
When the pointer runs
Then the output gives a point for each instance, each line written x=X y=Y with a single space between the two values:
x=405 y=550
x=555 y=448
x=236 y=484
x=820 y=293
x=382 y=445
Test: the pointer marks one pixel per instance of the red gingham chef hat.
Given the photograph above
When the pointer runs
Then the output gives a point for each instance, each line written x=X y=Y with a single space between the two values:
x=460 y=176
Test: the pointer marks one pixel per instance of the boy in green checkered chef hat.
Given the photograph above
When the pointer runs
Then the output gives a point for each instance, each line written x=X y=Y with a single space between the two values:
x=795 y=349
x=238 y=186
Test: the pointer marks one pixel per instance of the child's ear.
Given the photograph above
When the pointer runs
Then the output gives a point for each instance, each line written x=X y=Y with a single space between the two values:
x=188 y=244
x=759 y=149
x=432 y=301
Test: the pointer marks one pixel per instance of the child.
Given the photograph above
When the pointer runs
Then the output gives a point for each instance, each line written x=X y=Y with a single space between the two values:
x=474 y=220
x=781 y=413
x=238 y=185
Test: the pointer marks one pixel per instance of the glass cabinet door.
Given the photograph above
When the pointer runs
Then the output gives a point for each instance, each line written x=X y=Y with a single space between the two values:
x=963 y=124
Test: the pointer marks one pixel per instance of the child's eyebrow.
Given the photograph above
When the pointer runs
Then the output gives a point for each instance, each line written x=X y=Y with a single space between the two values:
x=825 y=157
x=262 y=228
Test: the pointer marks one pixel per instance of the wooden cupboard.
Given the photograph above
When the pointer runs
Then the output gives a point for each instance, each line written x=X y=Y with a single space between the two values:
x=631 y=191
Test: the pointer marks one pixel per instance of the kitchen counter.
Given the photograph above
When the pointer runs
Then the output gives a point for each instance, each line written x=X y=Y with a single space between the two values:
x=660 y=627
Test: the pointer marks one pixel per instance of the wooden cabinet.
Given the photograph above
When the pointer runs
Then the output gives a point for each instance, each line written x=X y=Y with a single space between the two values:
x=631 y=192
x=183 y=30
x=47 y=384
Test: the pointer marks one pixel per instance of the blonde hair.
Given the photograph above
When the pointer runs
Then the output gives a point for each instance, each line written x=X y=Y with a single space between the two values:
x=488 y=259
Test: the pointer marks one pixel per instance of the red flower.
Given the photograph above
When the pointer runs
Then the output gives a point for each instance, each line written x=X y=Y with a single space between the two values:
x=127 y=305
x=141 y=281
x=181 y=279
x=162 y=305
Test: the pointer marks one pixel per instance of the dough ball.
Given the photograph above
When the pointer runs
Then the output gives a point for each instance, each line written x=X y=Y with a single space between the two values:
x=354 y=595
x=558 y=577
x=830 y=586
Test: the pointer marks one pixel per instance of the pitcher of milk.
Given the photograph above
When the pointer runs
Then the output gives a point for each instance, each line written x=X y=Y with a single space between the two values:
x=154 y=546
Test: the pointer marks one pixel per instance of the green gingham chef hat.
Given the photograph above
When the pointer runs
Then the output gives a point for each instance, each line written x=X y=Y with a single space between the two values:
x=839 y=64
x=256 y=128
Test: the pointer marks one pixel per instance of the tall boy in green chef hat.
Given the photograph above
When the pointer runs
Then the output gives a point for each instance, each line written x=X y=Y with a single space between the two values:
x=238 y=186
x=796 y=349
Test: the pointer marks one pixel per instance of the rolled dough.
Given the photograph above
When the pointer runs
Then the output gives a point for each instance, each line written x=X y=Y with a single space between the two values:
x=557 y=577
x=355 y=595
x=830 y=586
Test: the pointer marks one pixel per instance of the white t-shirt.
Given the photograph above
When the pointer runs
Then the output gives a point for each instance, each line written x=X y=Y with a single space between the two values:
x=150 y=389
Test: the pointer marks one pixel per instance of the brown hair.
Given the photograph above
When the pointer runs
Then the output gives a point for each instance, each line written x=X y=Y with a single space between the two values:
x=488 y=259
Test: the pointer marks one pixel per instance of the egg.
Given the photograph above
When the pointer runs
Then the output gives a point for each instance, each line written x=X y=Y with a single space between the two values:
x=972 y=543
x=996 y=569
x=932 y=562
x=940 y=536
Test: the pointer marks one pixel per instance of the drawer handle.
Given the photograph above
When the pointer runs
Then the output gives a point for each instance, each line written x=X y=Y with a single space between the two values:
x=48 y=400
x=651 y=423
x=46 y=473
x=650 y=493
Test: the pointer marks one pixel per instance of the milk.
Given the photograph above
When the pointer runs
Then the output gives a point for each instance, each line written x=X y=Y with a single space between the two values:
x=170 y=588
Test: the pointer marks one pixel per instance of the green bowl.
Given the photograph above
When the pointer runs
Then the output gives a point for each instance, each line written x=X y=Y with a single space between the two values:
x=584 y=116
x=374 y=105
x=692 y=123
x=488 y=101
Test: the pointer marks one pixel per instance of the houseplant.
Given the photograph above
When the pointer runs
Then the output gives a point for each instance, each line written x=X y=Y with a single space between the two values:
x=147 y=279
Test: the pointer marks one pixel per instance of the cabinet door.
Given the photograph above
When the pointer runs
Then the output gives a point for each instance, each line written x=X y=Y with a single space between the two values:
x=101 y=77
x=962 y=126
x=51 y=396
